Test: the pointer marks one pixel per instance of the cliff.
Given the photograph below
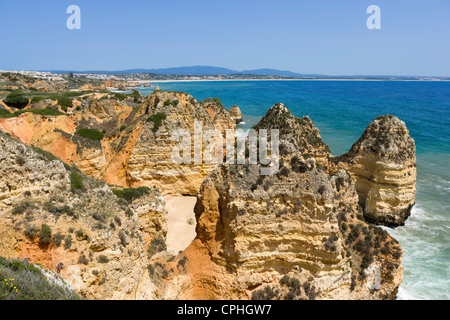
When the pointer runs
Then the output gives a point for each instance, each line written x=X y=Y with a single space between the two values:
x=74 y=225
x=236 y=114
x=298 y=134
x=302 y=233
x=135 y=143
x=299 y=234
x=383 y=164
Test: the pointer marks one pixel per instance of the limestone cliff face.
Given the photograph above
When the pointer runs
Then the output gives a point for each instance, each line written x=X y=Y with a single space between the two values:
x=136 y=148
x=298 y=134
x=25 y=170
x=150 y=160
x=299 y=234
x=236 y=114
x=383 y=164
x=98 y=241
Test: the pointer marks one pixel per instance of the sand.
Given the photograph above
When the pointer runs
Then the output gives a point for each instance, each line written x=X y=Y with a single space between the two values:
x=181 y=222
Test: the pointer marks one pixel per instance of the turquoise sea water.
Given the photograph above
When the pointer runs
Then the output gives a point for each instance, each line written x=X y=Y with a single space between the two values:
x=342 y=110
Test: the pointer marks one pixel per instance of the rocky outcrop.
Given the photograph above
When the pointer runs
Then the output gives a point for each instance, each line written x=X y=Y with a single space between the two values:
x=235 y=114
x=137 y=144
x=383 y=164
x=298 y=134
x=299 y=234
x=98 y=242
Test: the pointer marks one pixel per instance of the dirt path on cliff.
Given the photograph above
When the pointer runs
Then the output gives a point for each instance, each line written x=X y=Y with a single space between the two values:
x=181 y=222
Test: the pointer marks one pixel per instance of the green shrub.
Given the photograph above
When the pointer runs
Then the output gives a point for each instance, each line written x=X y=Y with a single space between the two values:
x=123 y=238
x=135 y=95
x=31 y=231
x=65 y=103
x=83 y=260
x=182 y=263
x=45 y=235
x=24 y=281
x=4 y=112
x=16 y=100
x=129 y=213
x=57 y=239
x=156 y=245
x=76 y=181
x=37 y=99
x=157 y=120
x=91 y=134
x=67 y=242
x=130 y=194
x=267 y=293
x=103 y=259
x=21 y=208
x=42 y=112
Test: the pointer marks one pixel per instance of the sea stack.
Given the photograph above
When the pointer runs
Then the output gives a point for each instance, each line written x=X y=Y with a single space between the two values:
x=236 y=114
x=299 y=234
x=383 y=164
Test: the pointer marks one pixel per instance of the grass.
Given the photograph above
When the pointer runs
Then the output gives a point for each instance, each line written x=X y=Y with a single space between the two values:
x=24 y=281
x=90 y=134
x=42 y=112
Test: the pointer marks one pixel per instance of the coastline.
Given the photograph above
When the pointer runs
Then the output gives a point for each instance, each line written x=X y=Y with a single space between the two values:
x=246 y=80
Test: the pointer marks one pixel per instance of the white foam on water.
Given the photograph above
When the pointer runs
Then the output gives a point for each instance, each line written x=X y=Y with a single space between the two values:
x=423 y=240
x=406 y=295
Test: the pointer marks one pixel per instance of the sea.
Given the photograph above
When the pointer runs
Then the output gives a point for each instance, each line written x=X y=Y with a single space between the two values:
x=342 y=110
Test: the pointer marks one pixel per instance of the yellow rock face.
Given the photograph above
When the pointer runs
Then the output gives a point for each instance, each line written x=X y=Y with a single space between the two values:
x=383 y=164
x=106 y=257
x=133 y=152
x=299 y=234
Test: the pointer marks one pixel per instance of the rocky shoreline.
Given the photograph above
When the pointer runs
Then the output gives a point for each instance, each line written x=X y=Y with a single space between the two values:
x=97 y=174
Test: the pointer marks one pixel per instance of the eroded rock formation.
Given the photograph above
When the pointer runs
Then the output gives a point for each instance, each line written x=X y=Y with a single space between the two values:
x=383 y=164
x=137 y=144
x=97 y=242
x=299 y=234
x=236 y=114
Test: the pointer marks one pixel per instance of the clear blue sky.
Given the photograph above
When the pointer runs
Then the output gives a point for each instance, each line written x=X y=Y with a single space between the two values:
x=313 y=36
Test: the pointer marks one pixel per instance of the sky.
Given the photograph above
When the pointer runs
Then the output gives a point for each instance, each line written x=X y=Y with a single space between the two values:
x=311 y=36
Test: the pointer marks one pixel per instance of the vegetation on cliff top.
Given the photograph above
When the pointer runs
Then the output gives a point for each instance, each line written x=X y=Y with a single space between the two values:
x=157 y=120
x=90 y=134
x=16 y=100
x=130 y=194
x=42 y=112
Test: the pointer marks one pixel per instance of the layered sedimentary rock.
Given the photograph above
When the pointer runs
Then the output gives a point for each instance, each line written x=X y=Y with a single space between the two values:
x=150 y=161
x=299 y=234
x=136 y=147
x=97 y=241
x=298 y=134
x=236 y=114
x=383 y=164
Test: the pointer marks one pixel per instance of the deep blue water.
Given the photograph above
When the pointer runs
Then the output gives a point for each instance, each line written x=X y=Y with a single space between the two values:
x=342 y=110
